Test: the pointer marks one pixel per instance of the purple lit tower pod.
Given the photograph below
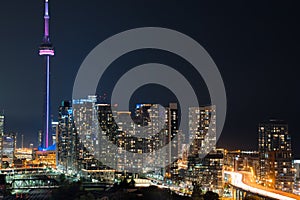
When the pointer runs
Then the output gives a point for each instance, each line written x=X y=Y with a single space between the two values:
x=46 y=49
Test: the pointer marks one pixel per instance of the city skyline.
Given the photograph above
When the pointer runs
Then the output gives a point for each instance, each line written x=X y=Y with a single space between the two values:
x=245 y=51
x=138 y=99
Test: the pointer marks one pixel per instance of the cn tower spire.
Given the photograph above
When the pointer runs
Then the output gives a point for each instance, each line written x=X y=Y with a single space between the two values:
x=46 y=18
x=46 y=49
x=46 y=45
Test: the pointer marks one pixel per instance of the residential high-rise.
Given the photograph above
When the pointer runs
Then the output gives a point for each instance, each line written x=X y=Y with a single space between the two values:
x=46 y=50
x=118 y=139
x=160 y=130
x=208 y=171
x=127 y=143
x=1 y=136
x=152 y=128
x=40 y=138
x=171 y=133
x=297 y=177
x=86 y=122
x=108 y=131
x=200 y=120
x=242 y=161
x=67 y=140
x=1 y=124
x=54 y=125
x=8 y=148
x=205 y=162
x=275 y=151
x=150 y=120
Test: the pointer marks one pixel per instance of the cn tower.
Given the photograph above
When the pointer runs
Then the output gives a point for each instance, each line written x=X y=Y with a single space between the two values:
x=46 y=50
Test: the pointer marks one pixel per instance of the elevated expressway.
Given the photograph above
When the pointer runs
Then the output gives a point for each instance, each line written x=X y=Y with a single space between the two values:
x=243 y=181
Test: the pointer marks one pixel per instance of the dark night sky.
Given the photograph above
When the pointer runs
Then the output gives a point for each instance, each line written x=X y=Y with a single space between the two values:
x=255 y=46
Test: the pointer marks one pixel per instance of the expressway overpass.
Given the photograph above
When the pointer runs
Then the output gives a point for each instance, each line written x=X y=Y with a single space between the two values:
x=21 y=180
x=243 y=183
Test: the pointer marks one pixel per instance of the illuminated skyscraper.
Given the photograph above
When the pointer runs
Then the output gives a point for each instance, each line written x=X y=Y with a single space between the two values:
x=107 y=132
x=275 y=150
x=204 y=160
x=40 y=138
x=68 y=143
x=1 y=136
x=297 y=177
x=1 y=125
x=152 y=117
x=8 y=148
x=86 y=122
x=171 y=133
x=207 y=171
x=46 y=49
x=200 y=120
x=161 y=127
x=54 y=126
x=126 y=142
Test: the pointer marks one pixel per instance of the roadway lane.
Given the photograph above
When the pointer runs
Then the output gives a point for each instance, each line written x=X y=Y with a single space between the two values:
x=244 y=181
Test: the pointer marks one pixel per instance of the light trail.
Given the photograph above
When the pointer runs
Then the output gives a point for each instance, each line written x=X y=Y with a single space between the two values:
x=237 y=181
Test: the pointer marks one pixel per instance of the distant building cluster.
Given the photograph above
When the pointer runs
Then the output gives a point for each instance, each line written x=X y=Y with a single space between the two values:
x=98 y=142
x=87 y=130
x=13 y=157
x=94 y=136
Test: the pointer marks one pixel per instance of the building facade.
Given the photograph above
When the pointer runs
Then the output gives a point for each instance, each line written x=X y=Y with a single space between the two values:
x=202 y=129
x=108 y=132
x=275 y=151
x=86 y=123
x=40 y=138
x=160 y=128
x=242 y=161
x=171 y=130
x=8 y=149
x=67 y=140
x=297 y=177
x=151 y=129
x=207 y=172
x=85 y=118
x=54 y=126
x=205 y=162
x=1 y=136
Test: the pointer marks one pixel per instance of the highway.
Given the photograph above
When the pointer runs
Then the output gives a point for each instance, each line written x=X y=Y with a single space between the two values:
x=175 y=188
x=244 y=181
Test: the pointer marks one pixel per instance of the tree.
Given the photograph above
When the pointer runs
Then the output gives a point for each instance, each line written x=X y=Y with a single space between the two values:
x=197 y=192
x=132 y=182
x=209 y=195
x=124 y=183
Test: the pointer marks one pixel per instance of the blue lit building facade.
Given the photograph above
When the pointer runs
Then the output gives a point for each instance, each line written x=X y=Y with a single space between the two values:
x=67 y=140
